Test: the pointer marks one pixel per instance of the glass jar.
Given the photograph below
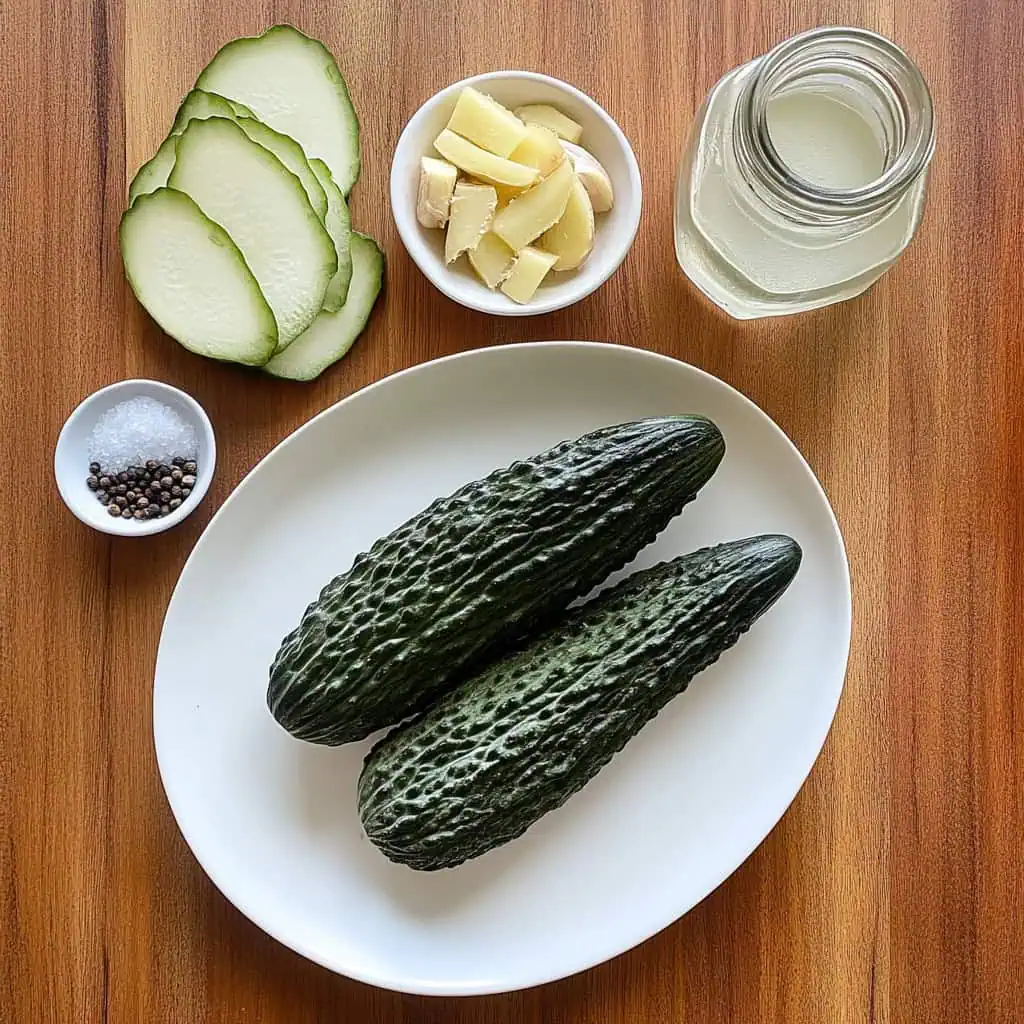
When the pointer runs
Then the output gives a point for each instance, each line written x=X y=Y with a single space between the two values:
x=804 y=176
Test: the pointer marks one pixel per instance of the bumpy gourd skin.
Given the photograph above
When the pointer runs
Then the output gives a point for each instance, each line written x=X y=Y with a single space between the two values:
x=528 y=731
x=479 y=568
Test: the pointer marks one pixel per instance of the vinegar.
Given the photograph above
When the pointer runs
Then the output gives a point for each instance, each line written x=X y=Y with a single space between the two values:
x=823 y=140
x=762 y=239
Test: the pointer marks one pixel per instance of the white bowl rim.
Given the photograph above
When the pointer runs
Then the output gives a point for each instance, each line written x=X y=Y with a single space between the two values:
x=146 y=528
x=497 y=306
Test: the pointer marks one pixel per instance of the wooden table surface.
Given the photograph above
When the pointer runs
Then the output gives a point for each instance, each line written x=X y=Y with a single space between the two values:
x=892 y=889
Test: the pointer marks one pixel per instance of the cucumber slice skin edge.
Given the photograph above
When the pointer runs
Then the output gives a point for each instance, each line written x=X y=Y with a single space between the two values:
x=153 y=174
x=339 y=226
x=287 y=248
x=168 y=203
x=199 y=105
x=345 y=169
x=295 y=363
x=280 y=145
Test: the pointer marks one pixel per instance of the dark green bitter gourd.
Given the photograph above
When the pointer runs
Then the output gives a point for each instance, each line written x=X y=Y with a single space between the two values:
x=519 y=738
x=479 y=568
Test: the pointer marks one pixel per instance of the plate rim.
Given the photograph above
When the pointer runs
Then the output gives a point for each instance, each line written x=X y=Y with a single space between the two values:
x=413 y=985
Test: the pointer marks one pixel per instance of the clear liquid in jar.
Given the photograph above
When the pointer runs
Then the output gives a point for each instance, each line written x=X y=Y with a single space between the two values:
x=824 y=140
x=748 y=259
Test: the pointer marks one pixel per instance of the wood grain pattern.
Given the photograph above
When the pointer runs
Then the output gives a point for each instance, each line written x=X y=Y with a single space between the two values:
x=891 y=890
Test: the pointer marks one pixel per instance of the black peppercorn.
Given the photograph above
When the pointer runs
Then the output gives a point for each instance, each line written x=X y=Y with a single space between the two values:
x=92 y=482
x=188 y=480
x=162 y=469
x=176 y=475
x=121 y=489
x=139 y=513
x=126 y=513
x=189 y=467
x=104 y=497
x=94 y=468
x=122 y=477
x=175 y=491
x=131 y=496
x=106 y=483
x=166 y=481
x=177 y=461
x=165 y=509
x=186 y=491
x=174 y=503
x=142 y=502
x=151 y=465
x=113 y=510
x=121 y=501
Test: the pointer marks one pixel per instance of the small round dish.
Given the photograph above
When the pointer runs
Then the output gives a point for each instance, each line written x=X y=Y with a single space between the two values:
x=616 y=229
x=71 y=456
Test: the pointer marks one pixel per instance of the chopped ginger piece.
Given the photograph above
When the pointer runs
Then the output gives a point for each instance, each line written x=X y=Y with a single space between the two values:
x=491 y=259
x=495 y=170
x=472 y=211
x=532 y=213
x=540 y=148
x=572 y=238
x=546 y=115
x=486 y=122
x=530 y=268
x=437 y=183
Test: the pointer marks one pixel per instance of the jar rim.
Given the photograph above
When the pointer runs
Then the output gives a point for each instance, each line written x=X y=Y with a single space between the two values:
x=903 y=79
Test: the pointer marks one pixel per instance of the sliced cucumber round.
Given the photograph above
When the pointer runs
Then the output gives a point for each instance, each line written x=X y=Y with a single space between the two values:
x=193 y=281
x=199 y=105
x=316 y=181
x=339 y=227
x=292 y=83
x=289 y=152
x=247 y=191
x=332 y=334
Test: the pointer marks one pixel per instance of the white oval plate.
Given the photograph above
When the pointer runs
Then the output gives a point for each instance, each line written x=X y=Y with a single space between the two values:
x=273 y=820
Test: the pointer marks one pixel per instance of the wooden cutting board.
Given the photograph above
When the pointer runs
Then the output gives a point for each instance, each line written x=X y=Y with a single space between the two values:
x=891 y=890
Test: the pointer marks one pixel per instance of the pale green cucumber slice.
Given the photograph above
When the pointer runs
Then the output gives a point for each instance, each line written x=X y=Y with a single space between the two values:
x=339 y=227
x=292 y=83
x=332 y=334
x=153 y=174
x=247 y=191
x=193 y=281
x=289 y=152
x=199 y=105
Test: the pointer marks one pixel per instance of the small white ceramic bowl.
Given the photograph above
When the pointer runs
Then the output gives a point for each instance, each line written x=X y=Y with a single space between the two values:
x=71 y=456
x=616 y=229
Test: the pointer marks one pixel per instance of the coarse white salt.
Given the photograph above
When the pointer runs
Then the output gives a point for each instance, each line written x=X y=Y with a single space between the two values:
x=139 y=429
